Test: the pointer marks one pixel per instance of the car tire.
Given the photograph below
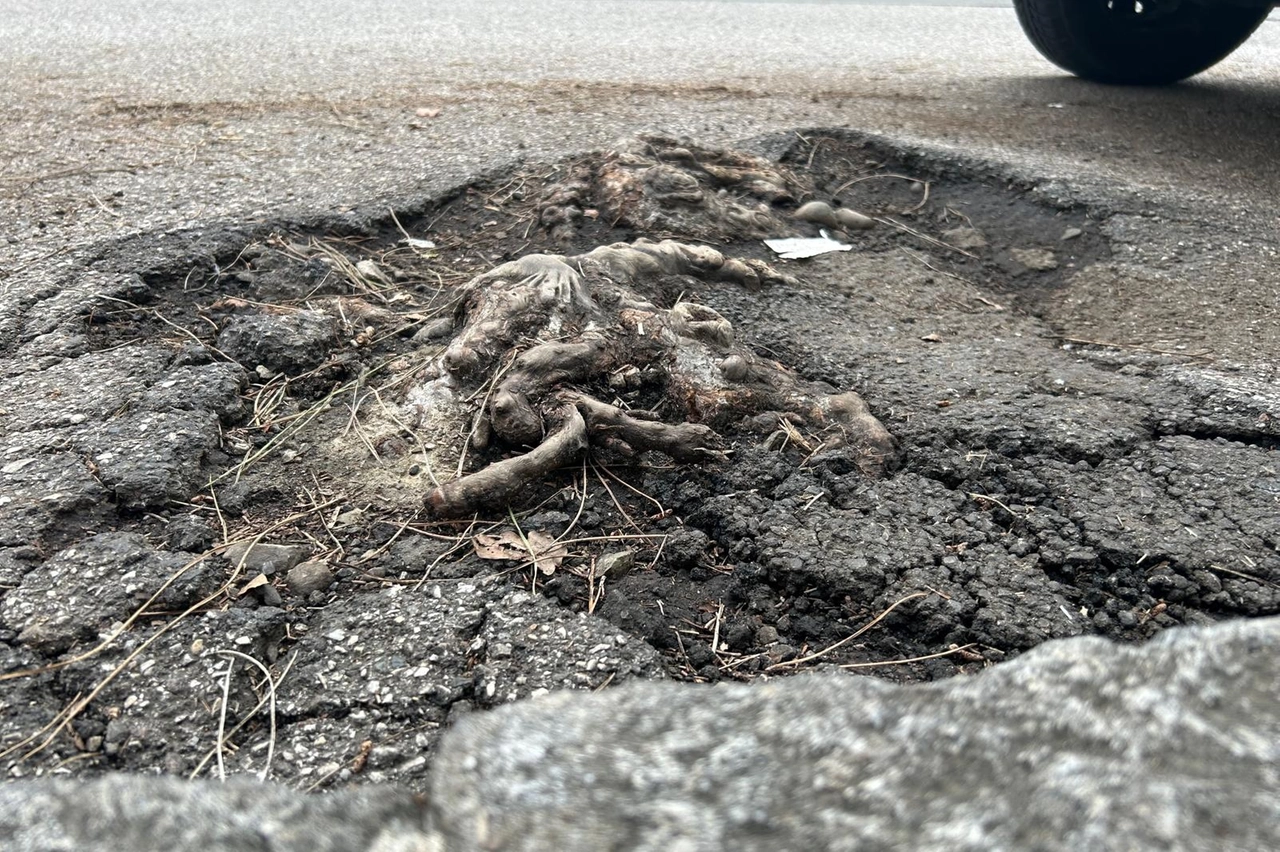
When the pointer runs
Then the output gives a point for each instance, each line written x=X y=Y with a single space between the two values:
x=1137 y=42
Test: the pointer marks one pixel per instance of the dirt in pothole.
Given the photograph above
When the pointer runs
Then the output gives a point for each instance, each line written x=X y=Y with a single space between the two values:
x=253 y=388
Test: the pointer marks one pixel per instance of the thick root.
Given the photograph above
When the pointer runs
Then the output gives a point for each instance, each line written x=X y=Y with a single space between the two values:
x=668 y=185
x=591 y=324
x=500 y=482
x=684 y=442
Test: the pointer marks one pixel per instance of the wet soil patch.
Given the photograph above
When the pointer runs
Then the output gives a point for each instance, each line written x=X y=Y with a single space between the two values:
x=256 y=386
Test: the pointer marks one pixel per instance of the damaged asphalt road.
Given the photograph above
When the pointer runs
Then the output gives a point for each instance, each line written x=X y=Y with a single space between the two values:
x=220 y=312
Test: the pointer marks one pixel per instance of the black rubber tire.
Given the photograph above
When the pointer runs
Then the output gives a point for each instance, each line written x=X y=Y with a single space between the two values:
x=1106 y=41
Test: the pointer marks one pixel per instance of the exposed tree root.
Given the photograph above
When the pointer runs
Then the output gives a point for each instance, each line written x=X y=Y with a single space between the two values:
x=657 y=184
x=501 y=481
x=630 y=433
x=601 y=363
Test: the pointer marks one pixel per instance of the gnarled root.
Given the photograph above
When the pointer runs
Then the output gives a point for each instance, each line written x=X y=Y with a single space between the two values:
x=496 y=484
x=663 y=184
x=684 y=442
x=591 y=325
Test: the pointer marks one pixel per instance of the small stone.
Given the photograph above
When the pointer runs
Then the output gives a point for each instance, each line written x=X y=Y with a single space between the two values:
x=852 y=220
x=614 y=566
x=766 y=634
x=269 y=596
x=266 y=558
x=188 y=534
x=782 y=653
x=734 y=368
x=310 y=577
x=817 y=211
x=965 y=238
x=1071 y=234
x=437 y=329
x=350 y=517
x=1035 y=259
x=370 y=269
x=283 y=343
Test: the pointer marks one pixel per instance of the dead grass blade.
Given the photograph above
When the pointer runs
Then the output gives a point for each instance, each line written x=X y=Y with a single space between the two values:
x=222 y=717
x=882 y=663
x=799 y=661
x=985 y=498
x=928 y=239
x=77 y=706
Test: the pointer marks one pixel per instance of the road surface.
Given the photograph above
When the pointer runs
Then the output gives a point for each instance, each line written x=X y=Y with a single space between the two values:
x=130 y=116
x=1046 y=490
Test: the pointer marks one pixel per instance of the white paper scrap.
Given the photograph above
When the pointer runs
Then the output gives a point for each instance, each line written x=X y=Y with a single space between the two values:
x=798 y=248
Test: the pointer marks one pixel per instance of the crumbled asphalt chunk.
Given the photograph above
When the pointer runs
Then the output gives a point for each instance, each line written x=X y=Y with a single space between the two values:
x=25 y=700
x=239 y=815
x=14 y=563
x=163 y=709
x=149 y=459
x=62 y=311
x=39 y=495
x=139 y=427
x=98 y=386
x=81 y=591
x=189 y=534
x=214 y=387
x=1077 y=745
x=388 y=667
x=284 y=343
x=398 y=660
x=235 y=497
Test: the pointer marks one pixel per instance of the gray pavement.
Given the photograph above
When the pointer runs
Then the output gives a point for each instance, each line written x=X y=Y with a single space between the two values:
x=131 y=115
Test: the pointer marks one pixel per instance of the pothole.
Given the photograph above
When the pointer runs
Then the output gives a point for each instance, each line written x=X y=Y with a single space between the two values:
x=574 y=424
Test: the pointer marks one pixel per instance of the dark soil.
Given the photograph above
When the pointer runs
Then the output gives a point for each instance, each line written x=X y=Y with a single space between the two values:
x=223 y=389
